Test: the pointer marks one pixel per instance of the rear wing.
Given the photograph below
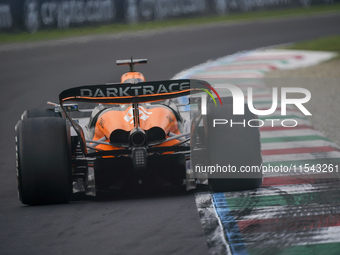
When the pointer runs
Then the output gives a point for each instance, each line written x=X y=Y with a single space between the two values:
x=127 y=93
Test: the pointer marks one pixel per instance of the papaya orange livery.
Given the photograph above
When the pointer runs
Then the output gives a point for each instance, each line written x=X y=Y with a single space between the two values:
x=150 y=117
x=135 y=134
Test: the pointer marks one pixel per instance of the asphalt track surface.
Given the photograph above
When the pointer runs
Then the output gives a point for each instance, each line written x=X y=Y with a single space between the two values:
x=134 y=224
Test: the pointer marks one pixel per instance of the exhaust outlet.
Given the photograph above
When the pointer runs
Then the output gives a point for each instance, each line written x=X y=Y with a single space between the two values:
x=138 y=137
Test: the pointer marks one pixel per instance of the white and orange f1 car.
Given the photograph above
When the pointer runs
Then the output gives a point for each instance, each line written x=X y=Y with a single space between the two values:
x=138 y=134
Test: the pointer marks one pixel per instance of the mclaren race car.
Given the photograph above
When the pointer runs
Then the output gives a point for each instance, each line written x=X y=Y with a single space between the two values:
x=133 y=134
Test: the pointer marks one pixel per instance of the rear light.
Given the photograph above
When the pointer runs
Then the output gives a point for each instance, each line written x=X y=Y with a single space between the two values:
x=139 y=158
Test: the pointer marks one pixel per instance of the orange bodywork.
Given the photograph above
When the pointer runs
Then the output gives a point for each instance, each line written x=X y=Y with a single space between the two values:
x=130 y=76
x=148 y=117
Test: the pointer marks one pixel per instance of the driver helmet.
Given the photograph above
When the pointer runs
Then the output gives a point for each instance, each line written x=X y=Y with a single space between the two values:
x=132 y=77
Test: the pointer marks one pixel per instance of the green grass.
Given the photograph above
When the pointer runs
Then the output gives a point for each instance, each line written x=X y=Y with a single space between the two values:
x=117 y=28
x=330 y=43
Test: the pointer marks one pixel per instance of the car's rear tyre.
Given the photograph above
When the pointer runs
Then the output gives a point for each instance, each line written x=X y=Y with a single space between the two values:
x=234 y=147
x=43 y=161
x=40 y=112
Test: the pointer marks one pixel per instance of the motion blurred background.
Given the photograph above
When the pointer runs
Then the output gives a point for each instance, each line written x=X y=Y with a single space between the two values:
x=34 y=15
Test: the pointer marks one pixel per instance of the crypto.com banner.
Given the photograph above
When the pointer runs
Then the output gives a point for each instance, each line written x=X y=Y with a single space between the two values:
x=32 y=15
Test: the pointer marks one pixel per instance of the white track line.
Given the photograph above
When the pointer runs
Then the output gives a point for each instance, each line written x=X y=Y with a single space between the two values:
x=301 y=156
x=283 y=211
x=302 y=237
x=280 y=189
x=298 y=144
x=290 y=132
x=210 y=220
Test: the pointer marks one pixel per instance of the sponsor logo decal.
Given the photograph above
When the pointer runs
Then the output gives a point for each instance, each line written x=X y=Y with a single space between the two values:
x=102 y=122
x=143 y=114
x=170 y=119
x=134 y=90
x=212 y=89
x=203 y=99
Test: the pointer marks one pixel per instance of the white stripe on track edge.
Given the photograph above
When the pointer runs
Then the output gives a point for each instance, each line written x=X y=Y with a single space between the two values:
x=298 y=172
x=285 y=211
x=217 y=243
x=297 y=144
x=290 y=132
x=301 y=156
x=283 y=189
x=302 y=237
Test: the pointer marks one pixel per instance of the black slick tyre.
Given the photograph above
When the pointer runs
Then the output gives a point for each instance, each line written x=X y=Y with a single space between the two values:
x=43 y=161
x=235 y=147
